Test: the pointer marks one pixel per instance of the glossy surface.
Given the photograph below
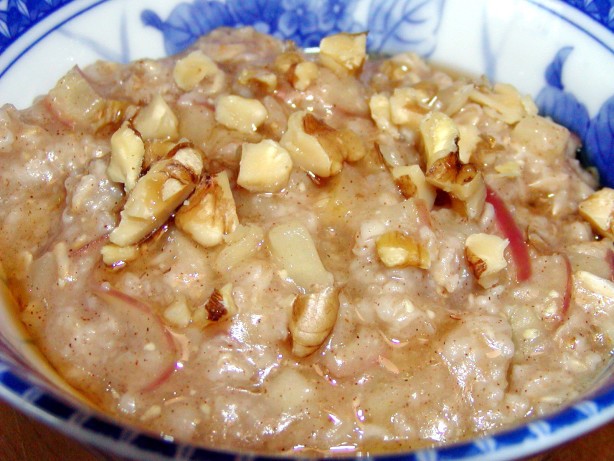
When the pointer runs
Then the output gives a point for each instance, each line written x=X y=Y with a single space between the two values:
x=568 y=74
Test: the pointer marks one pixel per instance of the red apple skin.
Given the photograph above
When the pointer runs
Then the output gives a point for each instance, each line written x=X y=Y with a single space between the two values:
x=609 y=257
x=568 y=288
x=152 y=329
x=508 y=227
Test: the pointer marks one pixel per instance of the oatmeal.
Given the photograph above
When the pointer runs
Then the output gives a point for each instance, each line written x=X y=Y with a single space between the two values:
x=248 y=247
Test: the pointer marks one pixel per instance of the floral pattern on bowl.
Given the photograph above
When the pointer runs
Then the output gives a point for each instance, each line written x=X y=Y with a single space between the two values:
x=601 y=11
x=18 y=16
x=306 y=22
x=597 y=133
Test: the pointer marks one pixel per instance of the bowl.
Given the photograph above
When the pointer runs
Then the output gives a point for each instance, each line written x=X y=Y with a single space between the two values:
x=559 y=52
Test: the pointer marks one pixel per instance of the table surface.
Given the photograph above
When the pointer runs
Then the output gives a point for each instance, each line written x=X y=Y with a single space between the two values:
x=22 y=438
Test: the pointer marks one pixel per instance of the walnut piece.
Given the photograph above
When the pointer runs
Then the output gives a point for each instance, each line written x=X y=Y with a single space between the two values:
x=412 y=183
x=264 y=167
x=156 y=195
x=344 y=53
x=239 y=113
x=313 y=318
x=210 y=212
x=193 y=69
x=396 y=249
x=317 y=147
x=127 y=153
x=219 y=307
x=598 y=210
x=157 y=120
x=485 y=256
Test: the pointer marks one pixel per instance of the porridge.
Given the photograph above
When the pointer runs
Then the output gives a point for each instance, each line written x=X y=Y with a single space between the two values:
x=249 y=247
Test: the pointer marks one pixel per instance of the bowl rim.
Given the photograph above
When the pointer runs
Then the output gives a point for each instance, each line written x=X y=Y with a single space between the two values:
x=577 y=418
x=93 y=427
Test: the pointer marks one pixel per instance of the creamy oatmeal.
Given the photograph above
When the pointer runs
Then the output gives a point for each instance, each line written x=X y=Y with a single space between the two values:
x=252 y=248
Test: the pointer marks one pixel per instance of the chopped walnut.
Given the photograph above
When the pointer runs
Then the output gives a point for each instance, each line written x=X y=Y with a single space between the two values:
x=241 y=114
x=313 y=318
x=217 y=308
x=261 y=78
x=598 y=210
x=264 y=167
x=157 y=120
x=396 y=249
x=127 y=153
x=408 y=106
x=412 y=183
x=305 y=73
x=210 y=212
x=117 y=256
x=318 y=148
x=440 y=136
x=344 y=53
x=485 y=256
x=156 y=195
x=445 y=170
x=194 y=68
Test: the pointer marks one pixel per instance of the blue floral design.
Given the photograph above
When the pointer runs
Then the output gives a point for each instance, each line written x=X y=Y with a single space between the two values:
x=410 y=25
x=298 y=19
x=597 y=133
x=600 y=10
x=303 y=21
x=599 y=141
x=187 y=21
x=559 y=104
x=20 y=15
x=393 y=25
x=259 y=14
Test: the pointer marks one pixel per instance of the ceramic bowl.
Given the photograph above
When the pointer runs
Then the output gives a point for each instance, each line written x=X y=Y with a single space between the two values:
x=560 y=52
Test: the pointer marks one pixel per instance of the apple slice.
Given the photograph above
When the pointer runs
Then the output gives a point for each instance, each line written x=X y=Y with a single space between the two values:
x=75 y=103
x=507 y=225
x=144 y=355
x=609 y=257
x=568 y=288
x=553 y=278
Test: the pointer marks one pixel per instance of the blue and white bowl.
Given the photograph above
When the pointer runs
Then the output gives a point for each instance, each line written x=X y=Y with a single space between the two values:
x=560 y=52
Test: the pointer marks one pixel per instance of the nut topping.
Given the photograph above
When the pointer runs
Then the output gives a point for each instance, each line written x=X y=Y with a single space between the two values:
x=313 y=318
x=485 y=256
x=260 y=78
x=241 y=114
x=220 y=306
x=156 y=195
x=305 y=73
x=210 y=212
x=396 y=249
x=344 y=53
x=445 y=170
x=264 y=167
x=598 y=210
x=117 y=256
x=127 y=153
x=412 y=183
x=156 y=120
x=439 y=136
x=408 y=106
x=318 y=148
x=194 y=68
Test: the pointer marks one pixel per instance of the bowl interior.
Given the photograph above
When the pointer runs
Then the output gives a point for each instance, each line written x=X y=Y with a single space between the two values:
x=568 y=74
